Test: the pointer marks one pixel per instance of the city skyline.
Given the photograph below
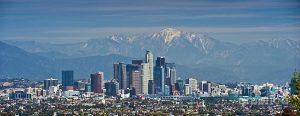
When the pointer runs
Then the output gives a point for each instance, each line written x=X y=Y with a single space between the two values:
x=149 y=58
x=132 y=84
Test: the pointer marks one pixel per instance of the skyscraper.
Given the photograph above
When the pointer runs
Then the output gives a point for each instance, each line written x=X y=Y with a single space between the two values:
x=149 y=59
x=201 y=85
x=170 y=74
x=192 y=83
x=159 y=80
x=150 y=87
x=50 y=82
x=145 y=74
x=120 y=74
x=130 y=69
x=160 y=61
x=179 y=85
x=67 y=79
x=116 y=70
x=112 y=88
x=97 y=82
x=207 y=87
x=187 y=90
x=136 y=82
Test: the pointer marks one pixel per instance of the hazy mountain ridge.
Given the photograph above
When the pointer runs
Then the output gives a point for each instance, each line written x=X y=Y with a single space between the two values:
x=17 y=63
x=203 y=57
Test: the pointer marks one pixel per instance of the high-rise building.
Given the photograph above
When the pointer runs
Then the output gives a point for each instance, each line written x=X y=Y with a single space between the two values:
x=50 y=82
x=67 y=79
x=159 y=80
x=160 y=61
x=130 y=69
x=136 y=82
x=120 y=75
x=97 y=82
x=150 y=87
x=145 y=74
x=170 y=74
x=201 y=85
x=149 y=59
x=192 y=83
x=138 y=62
x=179 y=85
x=112 y=88
x=207 y=87
x=187 y=89
x=116 y=70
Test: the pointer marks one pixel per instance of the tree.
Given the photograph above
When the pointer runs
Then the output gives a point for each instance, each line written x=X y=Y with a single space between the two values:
x=288 y=112
x=294 y=99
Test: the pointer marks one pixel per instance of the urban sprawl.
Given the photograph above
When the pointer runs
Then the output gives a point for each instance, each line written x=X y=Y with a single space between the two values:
x=139 y=88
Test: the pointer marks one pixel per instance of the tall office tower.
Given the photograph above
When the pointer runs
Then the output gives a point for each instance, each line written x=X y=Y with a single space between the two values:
x=201 y=85
x=179 y=86
x=136 y=82
x=120 y=74
x=67 y=79
x=160 y=61
x=145 y=74
x=116 y=70
x=97 y=82
x=170 y=74
x=138 y=62
x=149 y=59
x=193 y=84
x=187 y=89
x=50 y=82
x=150 y=87
x=207 y=87
x=112 y=88
x=159 y=80
x=130 y=68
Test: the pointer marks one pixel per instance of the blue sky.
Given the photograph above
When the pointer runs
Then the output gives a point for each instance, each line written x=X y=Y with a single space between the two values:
x=72 y=20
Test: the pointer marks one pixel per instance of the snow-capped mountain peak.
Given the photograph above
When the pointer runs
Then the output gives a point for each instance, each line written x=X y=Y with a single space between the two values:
x=169 y=34
x=284 y=43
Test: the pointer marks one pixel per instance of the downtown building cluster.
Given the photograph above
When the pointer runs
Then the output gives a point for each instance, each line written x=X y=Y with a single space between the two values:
x=142 y=77
x=147 y=78
x=138 y=83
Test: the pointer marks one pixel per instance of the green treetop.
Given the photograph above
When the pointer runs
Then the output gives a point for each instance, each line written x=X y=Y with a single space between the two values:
x=294 y=99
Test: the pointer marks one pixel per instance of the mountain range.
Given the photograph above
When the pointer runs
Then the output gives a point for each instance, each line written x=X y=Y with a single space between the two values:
x=195 y=54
